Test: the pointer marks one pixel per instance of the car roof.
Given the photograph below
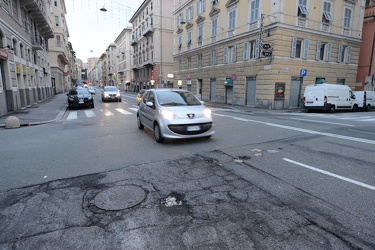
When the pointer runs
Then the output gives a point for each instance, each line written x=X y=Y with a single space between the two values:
x=168 y=90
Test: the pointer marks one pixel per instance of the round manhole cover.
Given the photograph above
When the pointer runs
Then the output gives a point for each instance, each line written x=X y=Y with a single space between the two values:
x=118 y=198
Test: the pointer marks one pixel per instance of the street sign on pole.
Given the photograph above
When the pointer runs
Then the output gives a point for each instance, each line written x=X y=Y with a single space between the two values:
x=303 y=72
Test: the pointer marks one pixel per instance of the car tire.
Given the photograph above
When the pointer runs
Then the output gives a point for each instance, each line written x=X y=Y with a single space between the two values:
x=139 y=123
x=119 y=100
x=103 y=100
x=93 y=105
x=157 y=134
x=368 y=107
x=355 y=108
x=332 y=109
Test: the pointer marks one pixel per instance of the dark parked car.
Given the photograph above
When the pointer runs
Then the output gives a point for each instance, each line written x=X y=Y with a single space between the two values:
x=111 y=93
x=174 y=114
x=80 y=97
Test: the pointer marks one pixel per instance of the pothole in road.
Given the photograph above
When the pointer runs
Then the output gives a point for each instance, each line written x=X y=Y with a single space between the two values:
x=118 y=198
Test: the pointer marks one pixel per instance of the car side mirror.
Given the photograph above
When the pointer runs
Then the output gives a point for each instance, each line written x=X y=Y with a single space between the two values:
x=150 y=104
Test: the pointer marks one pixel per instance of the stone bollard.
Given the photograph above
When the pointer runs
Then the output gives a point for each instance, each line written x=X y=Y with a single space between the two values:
x=12 y=122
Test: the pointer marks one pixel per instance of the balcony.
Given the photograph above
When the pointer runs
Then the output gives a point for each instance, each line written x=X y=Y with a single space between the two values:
x=38 y=42
x=38 y=13
x=134 y=42
x=149 y=63
x=148 y=30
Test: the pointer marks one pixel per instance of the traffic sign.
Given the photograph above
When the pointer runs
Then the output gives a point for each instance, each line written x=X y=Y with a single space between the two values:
x=234 y=77
x=267 y=52
x=266 y=46
x=303 y=72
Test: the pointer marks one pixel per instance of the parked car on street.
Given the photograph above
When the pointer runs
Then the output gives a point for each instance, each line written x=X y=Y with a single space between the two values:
x=140 y=95
x=80 y=97
x=174 y=114
x=111 y=93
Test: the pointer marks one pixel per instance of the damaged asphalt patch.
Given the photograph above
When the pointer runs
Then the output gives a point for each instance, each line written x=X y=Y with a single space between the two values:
x=213 y=209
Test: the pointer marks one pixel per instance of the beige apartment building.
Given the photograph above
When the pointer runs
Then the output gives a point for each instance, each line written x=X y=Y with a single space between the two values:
x=152 y=42
x=25 y=76
x=123 y=55
x=60 y=55
x=263 y=53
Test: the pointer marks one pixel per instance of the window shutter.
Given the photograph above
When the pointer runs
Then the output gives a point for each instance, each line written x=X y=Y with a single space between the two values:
x=339 y=57
x=348 y=55
x=257 y=50
x=317 y=56
x=225 y=55
x=294 y=45
x=328 y=54
x=203 y=5
x=245 y=51
x=234 y=56
x=305 y=48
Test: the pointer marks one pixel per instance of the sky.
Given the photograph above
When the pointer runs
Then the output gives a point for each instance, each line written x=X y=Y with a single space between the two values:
x=92 y=30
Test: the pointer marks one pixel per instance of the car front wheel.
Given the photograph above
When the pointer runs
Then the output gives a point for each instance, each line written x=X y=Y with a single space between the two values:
x=157 y=134
x=139 y=123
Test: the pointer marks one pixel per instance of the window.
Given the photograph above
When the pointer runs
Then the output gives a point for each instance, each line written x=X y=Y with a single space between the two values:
x=179 y=43
x=254 y=49
x=180 y=19
x=213 y=57
x=320 y=49
x=233 y=54
x=300 y=48
x=213 y=30
x=201 y=6
x=344 y=54
x=22 y=51
x=189 y=37
x=200 y=34
x=189 y=62
x=347 y=18
x=225 y=56
x=232 y=20
x=55 y=2
x=327 y=12
x=58 y=40
x=179 y=64
x=200 y=59
x=302 y=8
x=189 y=13
x=246 y=51
x=57 y=20
x=254 y=10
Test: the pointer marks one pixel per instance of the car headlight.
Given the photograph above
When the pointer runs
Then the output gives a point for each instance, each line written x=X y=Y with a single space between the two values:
x=167 y=114
x=71 y=98
x=207 y=112
x=105 y=95
x=118 y=94
x=90 y=97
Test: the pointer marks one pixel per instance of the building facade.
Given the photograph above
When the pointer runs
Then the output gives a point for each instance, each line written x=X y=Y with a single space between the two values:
x=366 y=63
x=25 y=76
x=152 y=42
x=59 y=50
x=263 y=53
x=124 y=53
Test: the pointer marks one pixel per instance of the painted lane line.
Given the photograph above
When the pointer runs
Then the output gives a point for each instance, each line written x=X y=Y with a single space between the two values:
x=90 y=113
x=72 y=115
x=334 y=123
x=122 y=111
x=331 y=174
x=305 y=130
x=108 y=113
x=363 y=132
x=134 y=109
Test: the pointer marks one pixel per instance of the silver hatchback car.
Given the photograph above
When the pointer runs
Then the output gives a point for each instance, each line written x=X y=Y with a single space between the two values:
x=174 y=114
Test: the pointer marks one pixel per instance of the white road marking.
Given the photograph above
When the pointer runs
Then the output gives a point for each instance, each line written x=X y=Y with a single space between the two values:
x=90 y=113
x=305 y=130
x=342 y=124
x=123 y=111
x=72 y=115
x=108 y=113
x=331 y=174
x=134 y=109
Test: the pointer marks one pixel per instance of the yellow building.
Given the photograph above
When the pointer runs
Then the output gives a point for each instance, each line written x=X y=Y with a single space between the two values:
x=263 y=53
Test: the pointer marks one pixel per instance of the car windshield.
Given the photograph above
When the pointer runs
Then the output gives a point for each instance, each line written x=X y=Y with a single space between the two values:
x=177 y=98
x=110 y=89
x=79 y=92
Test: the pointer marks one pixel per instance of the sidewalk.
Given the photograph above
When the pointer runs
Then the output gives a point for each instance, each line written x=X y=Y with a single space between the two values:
x=46 y=111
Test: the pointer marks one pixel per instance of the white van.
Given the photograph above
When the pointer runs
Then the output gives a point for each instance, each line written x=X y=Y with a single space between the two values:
x=365 y=99
x=329 y=97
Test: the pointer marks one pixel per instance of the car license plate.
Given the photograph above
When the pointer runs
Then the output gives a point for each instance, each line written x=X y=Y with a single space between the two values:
x=80 y=100
x=193 y=128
